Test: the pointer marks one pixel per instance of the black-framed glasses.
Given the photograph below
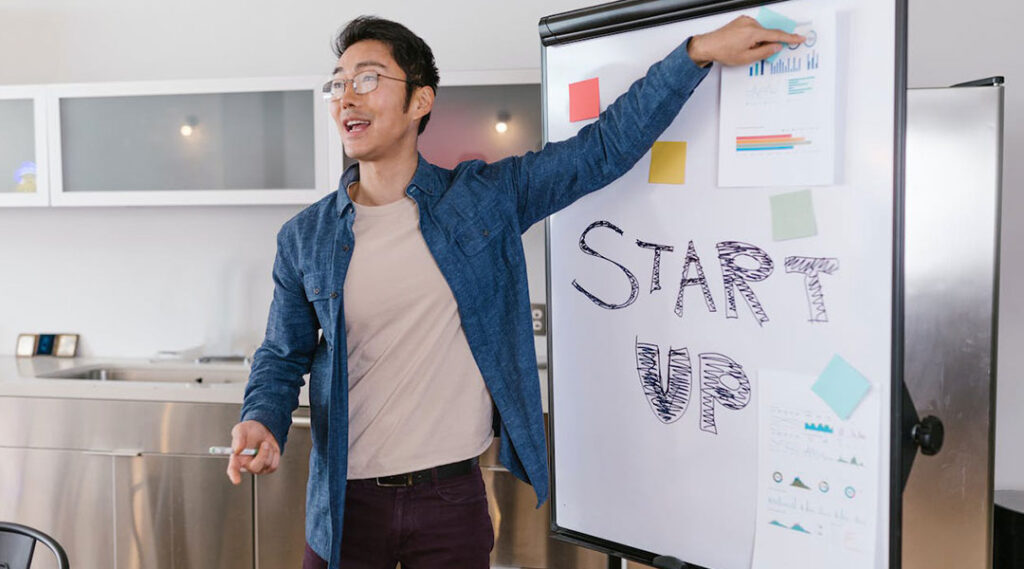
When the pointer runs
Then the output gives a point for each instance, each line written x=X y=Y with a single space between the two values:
x=362 y=84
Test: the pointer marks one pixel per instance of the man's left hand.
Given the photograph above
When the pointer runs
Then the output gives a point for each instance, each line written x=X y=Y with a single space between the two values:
x=740 y=42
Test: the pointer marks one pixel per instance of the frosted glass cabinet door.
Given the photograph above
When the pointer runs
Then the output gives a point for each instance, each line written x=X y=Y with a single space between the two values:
x=223 y=142
x=22 y=147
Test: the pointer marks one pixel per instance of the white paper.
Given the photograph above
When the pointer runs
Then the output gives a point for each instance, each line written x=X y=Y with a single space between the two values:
x=817 y=489
x=777 y=125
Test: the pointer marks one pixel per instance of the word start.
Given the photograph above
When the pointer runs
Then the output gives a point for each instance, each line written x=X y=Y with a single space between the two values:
x=736 y=278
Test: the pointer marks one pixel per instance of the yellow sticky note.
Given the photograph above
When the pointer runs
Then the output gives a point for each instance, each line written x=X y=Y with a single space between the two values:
x=668 y=163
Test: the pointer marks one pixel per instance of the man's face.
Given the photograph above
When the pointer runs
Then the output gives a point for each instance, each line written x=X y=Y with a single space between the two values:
x=375 y=124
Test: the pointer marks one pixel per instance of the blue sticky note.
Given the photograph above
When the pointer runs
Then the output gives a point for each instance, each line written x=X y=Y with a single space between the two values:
x=775 y=21
x=841 y=386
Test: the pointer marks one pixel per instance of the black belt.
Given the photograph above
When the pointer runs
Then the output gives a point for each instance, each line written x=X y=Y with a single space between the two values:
x=412 y=478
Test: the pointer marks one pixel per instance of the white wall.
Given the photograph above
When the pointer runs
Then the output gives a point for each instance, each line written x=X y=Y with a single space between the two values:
x=104 y=40
x=134 y=281
x=202 y=273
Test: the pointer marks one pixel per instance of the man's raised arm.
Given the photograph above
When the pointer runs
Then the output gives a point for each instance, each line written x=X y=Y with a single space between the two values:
x=546 y=181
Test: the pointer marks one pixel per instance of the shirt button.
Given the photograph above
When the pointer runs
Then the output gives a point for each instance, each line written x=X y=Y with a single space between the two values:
x=344 y=248
x=334 y=295
x=486 y=233
x=316 y=291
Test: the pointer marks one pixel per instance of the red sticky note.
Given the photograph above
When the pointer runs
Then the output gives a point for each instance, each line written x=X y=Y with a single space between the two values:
x=584 y=100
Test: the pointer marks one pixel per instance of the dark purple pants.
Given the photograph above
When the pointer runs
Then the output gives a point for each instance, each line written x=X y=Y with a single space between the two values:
x=436 y=524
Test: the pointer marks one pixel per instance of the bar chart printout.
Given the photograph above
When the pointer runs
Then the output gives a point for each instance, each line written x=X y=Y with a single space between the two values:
x=777 y=121
x=817 y=492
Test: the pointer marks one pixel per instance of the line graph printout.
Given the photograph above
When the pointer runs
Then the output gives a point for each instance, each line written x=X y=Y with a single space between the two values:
x=777 y=125
x=817 y=483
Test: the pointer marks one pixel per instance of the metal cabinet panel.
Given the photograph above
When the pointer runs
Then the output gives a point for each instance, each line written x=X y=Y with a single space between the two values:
x=954 y=150
x=102 y=425
x=180 y=512
x=61 y=493
x=281 y=504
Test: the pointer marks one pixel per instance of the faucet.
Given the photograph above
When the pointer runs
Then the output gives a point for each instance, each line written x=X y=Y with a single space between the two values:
x=224 y=359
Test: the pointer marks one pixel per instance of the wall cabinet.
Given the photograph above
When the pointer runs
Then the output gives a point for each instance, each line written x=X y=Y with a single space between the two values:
x=207 y=142
x=23 y=159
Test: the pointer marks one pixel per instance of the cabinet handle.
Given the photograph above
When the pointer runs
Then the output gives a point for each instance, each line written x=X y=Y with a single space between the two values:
x=124 y=453
x=300 y=422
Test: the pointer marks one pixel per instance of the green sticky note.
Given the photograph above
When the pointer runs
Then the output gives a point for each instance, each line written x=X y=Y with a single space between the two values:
x=668 y=163
x=793 y=216
x=775 y=21
x=841 y=386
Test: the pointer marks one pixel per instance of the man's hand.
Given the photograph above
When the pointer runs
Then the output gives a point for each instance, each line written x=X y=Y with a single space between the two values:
x=739 y=42
x=252 y=434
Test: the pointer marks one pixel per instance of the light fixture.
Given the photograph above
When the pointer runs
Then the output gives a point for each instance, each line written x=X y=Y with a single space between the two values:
x=502 y=125
x=189 y=127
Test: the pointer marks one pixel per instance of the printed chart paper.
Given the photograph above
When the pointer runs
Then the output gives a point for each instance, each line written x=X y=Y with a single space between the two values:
x=775 y=21
x=777 y=125
x=817 y=486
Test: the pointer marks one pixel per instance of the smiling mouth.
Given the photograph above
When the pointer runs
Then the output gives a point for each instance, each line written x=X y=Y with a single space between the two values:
x=356 y=125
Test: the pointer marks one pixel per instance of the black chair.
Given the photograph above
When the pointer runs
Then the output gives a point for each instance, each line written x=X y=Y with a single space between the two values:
x=17 y=543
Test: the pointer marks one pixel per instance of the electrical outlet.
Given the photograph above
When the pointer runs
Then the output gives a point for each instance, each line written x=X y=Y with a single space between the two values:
x=540 y=319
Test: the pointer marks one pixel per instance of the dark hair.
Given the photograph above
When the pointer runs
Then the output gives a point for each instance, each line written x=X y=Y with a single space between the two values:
x=411 y=53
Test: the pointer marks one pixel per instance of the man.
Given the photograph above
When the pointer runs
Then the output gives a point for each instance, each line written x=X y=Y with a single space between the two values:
x=416 y=277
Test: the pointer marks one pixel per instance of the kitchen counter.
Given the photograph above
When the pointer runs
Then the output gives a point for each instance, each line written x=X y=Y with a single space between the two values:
x=20 y=377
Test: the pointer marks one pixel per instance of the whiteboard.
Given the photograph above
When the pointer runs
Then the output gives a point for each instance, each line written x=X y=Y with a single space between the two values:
x=625 y=480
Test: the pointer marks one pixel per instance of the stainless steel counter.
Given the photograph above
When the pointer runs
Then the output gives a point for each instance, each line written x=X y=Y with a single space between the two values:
x=26 y=377
x=118 y=472
x=126 y=484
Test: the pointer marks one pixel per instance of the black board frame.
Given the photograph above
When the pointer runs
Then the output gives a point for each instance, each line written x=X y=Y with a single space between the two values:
x=626 y=15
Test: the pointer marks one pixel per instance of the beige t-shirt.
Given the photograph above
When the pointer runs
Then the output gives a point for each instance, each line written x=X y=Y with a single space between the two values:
x=416 y=396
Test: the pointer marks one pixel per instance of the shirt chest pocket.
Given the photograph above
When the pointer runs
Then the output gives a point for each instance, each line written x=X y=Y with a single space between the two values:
x=320 y=295
x=474 y=234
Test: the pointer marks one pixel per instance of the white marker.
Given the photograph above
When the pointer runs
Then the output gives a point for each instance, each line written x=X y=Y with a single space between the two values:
x=227 y=450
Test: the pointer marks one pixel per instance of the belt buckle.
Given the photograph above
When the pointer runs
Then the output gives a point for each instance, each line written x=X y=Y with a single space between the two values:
x=404 y=484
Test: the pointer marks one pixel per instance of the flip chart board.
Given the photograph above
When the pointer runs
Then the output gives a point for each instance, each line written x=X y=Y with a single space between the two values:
x=723 y=342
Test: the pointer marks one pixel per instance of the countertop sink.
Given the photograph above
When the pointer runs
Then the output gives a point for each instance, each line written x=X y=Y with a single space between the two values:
x=197 y=374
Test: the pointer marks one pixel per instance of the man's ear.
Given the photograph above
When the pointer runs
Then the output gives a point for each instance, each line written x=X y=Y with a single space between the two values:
x=422 y=101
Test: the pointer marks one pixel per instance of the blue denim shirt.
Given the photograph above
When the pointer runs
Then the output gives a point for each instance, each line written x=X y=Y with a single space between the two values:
x=471 y=219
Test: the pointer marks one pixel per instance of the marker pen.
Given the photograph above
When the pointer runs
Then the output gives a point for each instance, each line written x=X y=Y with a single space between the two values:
x=228 y=451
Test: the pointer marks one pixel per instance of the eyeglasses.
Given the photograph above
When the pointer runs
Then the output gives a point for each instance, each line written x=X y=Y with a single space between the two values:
x=362 y=84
